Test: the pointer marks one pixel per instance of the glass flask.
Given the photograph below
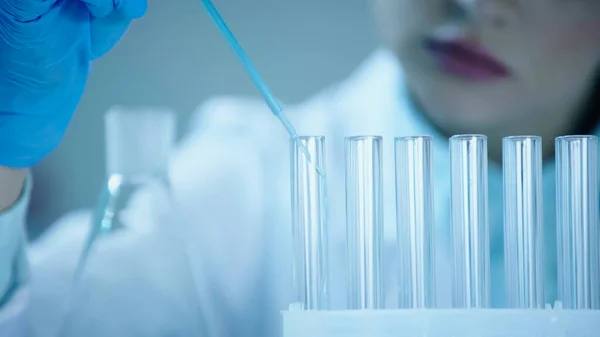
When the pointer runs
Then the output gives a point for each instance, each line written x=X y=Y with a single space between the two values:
x=133 y=276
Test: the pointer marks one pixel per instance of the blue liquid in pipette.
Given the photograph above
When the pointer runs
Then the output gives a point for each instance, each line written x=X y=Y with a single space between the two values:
x=254 y=76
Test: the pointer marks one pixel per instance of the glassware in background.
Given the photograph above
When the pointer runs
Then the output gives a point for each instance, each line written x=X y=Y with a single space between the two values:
x=470 y=223
x=133 y=276
x=309 y=223
x=138 y=146
x=415 y=222
x=523 y=222
x=364 y=222
x=578 y=235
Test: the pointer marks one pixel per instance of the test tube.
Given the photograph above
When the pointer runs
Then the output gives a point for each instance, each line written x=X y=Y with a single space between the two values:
x=309 y=222
x=523 y=225
x=470 y=228
x=415 y=222
x=364 y=222
x=577 y=221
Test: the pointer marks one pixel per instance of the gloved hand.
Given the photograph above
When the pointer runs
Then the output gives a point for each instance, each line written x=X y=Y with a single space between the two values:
x=46 y=47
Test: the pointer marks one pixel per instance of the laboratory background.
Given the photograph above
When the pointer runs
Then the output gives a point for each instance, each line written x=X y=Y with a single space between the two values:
x=416 y=199
x=174 y=56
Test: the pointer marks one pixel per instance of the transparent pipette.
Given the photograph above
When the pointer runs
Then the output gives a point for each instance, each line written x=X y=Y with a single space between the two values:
x=259 y=83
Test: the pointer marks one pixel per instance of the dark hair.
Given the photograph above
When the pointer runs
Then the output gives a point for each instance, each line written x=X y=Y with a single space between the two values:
x=590 y=118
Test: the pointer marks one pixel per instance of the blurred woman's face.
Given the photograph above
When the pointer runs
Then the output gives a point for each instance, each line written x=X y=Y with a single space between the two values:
x=485 y=64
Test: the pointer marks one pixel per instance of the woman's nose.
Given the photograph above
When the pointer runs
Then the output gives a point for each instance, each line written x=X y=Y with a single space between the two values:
x=494 y=12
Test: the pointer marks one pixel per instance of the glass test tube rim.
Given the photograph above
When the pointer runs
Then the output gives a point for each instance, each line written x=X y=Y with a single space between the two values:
x=308 y=137
x=409 y=138
x=463 y=137
x=576 y=137
x=522 y=137
x=366 y=137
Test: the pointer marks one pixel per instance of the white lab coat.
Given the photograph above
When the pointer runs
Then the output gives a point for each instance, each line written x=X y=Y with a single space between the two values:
x=231 y=180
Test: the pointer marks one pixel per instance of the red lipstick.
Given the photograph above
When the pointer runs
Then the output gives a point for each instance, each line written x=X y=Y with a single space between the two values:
x=465 y=59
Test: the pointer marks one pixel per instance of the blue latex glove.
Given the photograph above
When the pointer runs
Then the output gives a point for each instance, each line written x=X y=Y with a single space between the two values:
x=46 y=47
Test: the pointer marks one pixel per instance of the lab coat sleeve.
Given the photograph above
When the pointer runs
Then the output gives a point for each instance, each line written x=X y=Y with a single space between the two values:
x=14 y=269
x=218 y=176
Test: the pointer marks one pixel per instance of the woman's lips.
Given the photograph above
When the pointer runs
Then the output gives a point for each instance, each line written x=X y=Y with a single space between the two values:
x=466 y=60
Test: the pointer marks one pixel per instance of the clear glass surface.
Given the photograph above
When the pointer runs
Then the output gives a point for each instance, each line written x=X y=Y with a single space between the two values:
x=577 y=221
x=470 y=227
x=364 y=222
x=309 y=223
x=415 y=222
x=523 y=223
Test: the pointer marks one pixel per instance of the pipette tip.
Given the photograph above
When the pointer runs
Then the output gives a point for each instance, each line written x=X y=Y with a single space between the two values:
x=304 y=150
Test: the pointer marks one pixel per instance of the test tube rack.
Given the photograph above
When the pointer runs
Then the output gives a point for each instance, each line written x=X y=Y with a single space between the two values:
x=551 y=322
x=472 y=315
